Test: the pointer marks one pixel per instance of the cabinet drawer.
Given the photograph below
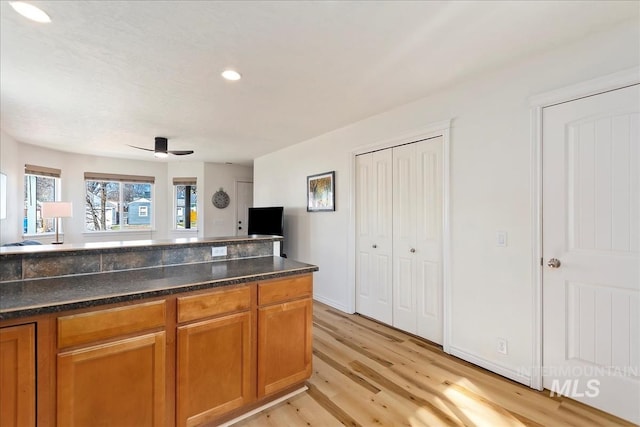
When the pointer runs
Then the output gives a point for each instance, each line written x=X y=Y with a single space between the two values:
x=214 y=303
x=104 y=324
x=284 y=289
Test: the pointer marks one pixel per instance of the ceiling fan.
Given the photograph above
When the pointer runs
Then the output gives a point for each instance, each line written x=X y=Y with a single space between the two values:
x=161 y=151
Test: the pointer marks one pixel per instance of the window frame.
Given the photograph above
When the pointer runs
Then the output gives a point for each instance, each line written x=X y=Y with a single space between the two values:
x=188 y=183
x=47 y=173
x=122 y=180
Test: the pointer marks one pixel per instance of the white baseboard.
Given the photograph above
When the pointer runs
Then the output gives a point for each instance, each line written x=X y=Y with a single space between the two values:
x=265 y=406
x=332 y=303
x=490 y=366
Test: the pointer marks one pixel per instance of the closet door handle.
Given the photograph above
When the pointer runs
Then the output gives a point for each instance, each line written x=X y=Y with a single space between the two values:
x=412 y=250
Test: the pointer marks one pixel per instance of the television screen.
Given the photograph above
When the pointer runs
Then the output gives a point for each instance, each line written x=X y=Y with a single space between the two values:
x=269 y=220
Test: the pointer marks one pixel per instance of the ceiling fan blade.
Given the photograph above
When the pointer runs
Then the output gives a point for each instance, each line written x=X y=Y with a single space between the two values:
x=140 y=148
x=181 y=153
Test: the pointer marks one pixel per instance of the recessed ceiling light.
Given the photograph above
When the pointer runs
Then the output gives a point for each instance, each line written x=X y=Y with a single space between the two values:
x=30 y=11
x=231 y=75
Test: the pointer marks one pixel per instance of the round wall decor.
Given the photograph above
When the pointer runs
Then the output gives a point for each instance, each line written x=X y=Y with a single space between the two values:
x=220 y=199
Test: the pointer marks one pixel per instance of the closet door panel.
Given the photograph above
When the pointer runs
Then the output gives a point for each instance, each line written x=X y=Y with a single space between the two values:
x=404 y=237
x=429 y=239
x=374 y=238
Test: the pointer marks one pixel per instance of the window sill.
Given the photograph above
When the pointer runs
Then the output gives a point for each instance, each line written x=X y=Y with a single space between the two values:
x=96 y=233
x=47 y=234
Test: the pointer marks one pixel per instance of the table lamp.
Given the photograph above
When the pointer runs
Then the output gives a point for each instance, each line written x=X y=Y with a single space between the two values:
x=57 y=210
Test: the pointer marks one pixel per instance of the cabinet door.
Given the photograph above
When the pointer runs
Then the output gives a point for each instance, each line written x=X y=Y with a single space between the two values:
x=284 y=345
x=121 y=383
x=17 y=376
x=214 y=368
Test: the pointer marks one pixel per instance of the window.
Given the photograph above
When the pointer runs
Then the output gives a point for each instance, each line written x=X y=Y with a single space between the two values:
x=118 y=202
x=41 y=184
x=186 y=198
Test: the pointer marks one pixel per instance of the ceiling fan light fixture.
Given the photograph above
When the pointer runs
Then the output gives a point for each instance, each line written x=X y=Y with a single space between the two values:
x=232 y=75
x=160 y=150
x=30 y=11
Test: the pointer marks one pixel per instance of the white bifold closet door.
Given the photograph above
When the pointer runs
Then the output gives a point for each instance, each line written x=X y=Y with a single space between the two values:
x=374 y=236
x=399 y=240
x=417 y=238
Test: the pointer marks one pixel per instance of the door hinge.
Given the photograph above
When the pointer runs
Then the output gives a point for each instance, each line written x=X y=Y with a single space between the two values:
x=542 y=261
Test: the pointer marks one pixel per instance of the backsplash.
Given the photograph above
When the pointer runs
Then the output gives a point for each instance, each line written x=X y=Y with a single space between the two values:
x=56 y=263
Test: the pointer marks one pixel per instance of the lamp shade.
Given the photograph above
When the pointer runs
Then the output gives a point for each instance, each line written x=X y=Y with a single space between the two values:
x=56 y=209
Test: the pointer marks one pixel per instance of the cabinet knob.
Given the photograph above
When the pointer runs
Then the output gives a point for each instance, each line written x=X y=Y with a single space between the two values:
x=412 y=250
x=374 y=246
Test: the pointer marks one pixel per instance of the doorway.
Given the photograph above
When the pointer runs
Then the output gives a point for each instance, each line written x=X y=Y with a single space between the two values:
x=244 y=191
x=401 y=234
x=590 y=255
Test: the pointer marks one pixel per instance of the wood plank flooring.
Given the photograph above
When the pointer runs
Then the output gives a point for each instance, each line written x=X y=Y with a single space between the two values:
x=367 y=374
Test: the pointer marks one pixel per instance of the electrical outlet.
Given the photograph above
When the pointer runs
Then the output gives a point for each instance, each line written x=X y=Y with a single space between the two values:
x=502 y=346
x=218 y=251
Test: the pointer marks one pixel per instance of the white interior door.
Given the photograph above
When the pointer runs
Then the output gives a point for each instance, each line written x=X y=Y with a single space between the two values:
x=428 y=235
x=417 y=238
x=404 y=238
x=244 y=191
x=374 y=236
x=591 y=219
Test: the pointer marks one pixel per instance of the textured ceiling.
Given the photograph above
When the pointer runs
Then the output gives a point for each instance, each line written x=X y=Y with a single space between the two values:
x=105 y=74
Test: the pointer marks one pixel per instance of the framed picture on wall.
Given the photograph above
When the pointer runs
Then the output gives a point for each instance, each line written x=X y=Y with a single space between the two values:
x=321 y=195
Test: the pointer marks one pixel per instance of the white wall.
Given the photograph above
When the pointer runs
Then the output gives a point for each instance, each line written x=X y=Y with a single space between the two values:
x=222 y=222
x=73 y=166
x=490 y=190
x=11 y=227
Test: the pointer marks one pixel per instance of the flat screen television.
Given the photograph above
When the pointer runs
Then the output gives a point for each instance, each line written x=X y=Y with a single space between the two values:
x=267 y=220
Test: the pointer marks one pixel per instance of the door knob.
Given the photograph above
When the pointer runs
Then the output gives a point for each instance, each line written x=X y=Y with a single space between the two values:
x=412 y=250
x=374 y=246
x=554 y=263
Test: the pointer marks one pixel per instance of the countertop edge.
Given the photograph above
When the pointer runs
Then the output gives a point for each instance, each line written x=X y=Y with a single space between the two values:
x=130 y=245
x=30 y=311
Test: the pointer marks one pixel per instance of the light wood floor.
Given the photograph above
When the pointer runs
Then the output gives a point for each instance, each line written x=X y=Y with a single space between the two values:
x=366 y=374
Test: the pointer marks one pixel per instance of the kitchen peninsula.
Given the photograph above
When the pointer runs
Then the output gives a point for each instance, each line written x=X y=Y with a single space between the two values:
x=180 y=332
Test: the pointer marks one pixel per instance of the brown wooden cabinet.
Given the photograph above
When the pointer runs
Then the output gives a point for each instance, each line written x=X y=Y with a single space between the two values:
x=189 y=359
x=18 y=376
x=284 y=333
x=110 y=377
x=215 y=356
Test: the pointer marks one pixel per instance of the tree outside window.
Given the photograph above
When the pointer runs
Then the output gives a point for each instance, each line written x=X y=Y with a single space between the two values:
x=38 y=189
x=118 y=206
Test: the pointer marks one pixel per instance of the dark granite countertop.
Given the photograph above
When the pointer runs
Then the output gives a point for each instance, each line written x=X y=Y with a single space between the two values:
x=40 y=296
